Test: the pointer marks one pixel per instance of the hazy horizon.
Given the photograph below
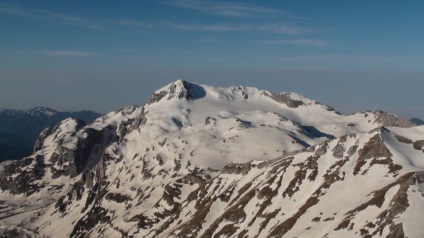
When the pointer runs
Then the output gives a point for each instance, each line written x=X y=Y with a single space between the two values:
x=100 y=56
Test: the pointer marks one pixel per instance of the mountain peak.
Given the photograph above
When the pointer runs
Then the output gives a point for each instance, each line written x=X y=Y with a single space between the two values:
x=203 y=161
x=179 y=89
x=43 y=110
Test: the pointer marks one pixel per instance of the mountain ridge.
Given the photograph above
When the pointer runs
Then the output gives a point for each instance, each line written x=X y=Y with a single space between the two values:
x=417 y=121
x=200 y=161
x=20 y=128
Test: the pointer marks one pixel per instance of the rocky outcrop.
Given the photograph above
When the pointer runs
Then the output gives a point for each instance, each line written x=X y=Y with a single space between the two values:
x=285 y=98
x=19 y=177
x=40 y=139
x=388 y=119
x=75 y=150
x=85 y=155
x=180 y=90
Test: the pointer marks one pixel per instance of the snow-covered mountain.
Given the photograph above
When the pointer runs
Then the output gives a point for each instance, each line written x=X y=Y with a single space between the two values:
x=200 y=161
x=20 y=128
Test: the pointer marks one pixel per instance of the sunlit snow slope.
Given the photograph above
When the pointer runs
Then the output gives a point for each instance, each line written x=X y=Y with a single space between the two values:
x=200 y=161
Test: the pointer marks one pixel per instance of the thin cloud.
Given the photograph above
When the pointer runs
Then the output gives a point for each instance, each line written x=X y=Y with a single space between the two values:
x=287 y=29
x=349 y=58
x=305 y=42
x=226 y=27
x=74 y=20
x=129 y=22
x=210 y=27
x=55 y=16
x=73 y=54
x=229 y=9
x=16 y=11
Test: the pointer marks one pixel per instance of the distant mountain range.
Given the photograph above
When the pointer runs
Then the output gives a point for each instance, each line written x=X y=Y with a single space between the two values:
x=417 y=121
x=19 y=128
x=202 y=161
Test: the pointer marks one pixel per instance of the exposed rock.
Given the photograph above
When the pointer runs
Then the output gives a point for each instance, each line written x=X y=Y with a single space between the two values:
x=16 y=179
x=156 y=97
x=242 y=169
x=403 y=139
x=210 y=121
x=388 y=119
x=285 y=98
x=338 y=151
x=374 y=149
x=15 y=232
x=130 y=125
x=180 y=90
x=97 y=215
x=418 y=145
x=40 y=139
x=396 y=231
x=118 y=198
x=86 y=153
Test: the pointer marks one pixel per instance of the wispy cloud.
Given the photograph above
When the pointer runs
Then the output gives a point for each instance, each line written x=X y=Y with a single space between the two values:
x=232 y=9
x=288 y=29
x=130 y=22
x=74 y=20
x=16 y=11
x=54 y=16
x=229 y=9
x=350 y=58
x=74 y=54
x=283 y=29
x=305 y=42
x=209 y=27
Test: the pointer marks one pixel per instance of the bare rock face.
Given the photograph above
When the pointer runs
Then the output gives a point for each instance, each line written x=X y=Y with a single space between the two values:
x=388 y=119
x=374 y=149
x=16 y=179
x=285 y=98
x=130 y=125
x=40 y=139
x=292 y=100
x=86 y=154
x=396 y=231
x=237 y=169
x=180 y=90
x=156 y=97
x=75 y=152
x=8 y=232
x=419 y=145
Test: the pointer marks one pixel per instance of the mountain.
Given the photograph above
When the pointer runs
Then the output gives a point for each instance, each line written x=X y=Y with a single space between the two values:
x=200 y=161
x=20 y=128
x=417 y=121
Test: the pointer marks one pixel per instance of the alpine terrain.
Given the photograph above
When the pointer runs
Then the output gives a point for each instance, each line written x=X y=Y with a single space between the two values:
x=201 y=161
x=19 y=128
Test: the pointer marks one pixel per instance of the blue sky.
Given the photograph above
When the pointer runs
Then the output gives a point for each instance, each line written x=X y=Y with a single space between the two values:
x=102 y=55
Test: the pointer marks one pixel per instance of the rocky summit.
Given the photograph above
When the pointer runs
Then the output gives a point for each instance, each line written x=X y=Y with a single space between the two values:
x=201 y=161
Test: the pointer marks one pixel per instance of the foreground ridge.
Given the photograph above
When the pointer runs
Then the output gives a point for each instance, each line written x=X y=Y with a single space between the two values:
x=201 y=161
